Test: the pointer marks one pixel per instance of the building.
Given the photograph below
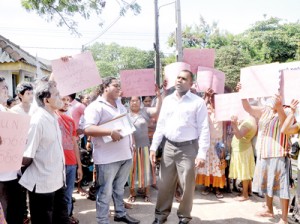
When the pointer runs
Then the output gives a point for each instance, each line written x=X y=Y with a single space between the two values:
x=17 y=65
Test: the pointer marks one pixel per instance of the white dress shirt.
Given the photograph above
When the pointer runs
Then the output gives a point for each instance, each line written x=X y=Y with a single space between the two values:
x=47 y=171
x=183 y=119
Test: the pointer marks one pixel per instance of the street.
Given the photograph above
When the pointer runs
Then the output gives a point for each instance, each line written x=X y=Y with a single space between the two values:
x=206 y=209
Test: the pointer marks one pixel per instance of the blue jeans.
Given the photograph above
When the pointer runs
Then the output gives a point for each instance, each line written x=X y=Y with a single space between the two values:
x=70 y=180
x=111 y=179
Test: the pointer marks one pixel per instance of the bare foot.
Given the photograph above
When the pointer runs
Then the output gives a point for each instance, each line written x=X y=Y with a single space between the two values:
x=265 y=214
x=241 y=198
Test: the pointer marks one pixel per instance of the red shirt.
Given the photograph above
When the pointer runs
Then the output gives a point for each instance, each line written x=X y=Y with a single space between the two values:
x=68 y=131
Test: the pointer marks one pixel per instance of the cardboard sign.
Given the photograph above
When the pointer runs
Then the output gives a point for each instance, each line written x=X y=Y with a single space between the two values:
x=210 y=78
x=289 y=86
x=228 y=105
x=172 y=71
x=78 y=73
x=13 y=131
x=199 y=57
x=138 y=82
x=260 y=81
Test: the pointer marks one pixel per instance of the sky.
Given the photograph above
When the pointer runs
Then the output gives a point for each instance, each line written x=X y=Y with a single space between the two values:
x=44 y=39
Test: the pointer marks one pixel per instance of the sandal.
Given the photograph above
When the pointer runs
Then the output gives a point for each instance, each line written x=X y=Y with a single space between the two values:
x=131 y=198
x=73 y=220
x=219 y=195
x=205 y=191
x=147 y=198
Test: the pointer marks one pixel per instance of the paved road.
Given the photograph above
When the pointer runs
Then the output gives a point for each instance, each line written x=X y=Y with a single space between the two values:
x=206 y=210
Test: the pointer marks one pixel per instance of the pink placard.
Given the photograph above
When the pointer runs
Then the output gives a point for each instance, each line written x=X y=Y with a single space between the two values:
x=214 y=77
x=13 y=131
x=204 y=80
x=172 y=71
x=290 y=86
x=227 y=105
x=199 y=57
x=260 y=81
x=138 y=82
x=78 y=73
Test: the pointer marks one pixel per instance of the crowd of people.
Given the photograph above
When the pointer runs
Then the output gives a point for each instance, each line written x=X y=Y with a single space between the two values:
x=176 y=131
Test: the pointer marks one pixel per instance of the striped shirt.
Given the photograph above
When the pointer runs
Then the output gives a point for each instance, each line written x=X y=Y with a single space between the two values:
x=47 y=171
x=270 y=141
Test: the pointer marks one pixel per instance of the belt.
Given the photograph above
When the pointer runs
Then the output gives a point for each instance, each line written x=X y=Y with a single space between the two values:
x=179 y=144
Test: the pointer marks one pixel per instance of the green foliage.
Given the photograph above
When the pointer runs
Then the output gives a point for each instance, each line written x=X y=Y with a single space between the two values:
x=65 y=10
x=267 y=41
x=230 y=59
x=271 y=41
x=112 y=58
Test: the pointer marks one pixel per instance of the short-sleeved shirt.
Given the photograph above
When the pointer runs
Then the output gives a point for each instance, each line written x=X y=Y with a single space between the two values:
x=140 y=122
x=270 y=141
x=68 y=131
x=97 y=113
x=76 y=110
x=239 y=145
x=47 y=171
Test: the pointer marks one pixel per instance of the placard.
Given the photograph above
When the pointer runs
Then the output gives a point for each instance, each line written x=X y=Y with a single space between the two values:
x=228 y=105
x=260 y=81
x=13 y=131
x=78 y=73
x=199 y=57
x=289 y=86
x=138 y=82
x=210 y=78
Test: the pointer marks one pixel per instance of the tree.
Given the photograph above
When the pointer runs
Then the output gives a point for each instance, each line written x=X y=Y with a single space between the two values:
x=112 y=58
x=195 y=36
x=65 y=10
x=230 y=59
x=271 y=41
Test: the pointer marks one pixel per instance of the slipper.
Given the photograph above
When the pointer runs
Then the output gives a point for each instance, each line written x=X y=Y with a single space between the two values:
x=127 y=205
x=219 y=195
x=131 y=198
x=241 y=198
x=147 y=199
x=205 y=192
x=264 y=214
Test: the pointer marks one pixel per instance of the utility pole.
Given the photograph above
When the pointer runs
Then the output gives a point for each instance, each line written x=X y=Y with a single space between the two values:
x=178 y=32
x=156 y=44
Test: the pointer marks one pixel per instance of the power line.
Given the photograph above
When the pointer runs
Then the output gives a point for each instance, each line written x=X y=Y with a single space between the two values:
x=104 y=31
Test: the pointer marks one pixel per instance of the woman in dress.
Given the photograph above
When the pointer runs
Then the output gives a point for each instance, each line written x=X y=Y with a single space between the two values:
x=242 y=163
x=272 y=146
x=140 y=175
x=212 y=175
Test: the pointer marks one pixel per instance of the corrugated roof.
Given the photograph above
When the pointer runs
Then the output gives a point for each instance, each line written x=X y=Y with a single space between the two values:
x=10 y=52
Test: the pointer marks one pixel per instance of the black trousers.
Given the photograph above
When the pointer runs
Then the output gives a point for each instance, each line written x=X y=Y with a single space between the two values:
x=48 y=208
x=10 y=194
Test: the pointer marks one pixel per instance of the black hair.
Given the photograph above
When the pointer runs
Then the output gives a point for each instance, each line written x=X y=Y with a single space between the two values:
x=23 y=87
x=9 y=101
x=189 y=72
x=2 y=79
x=106 y=82
x=72 y=96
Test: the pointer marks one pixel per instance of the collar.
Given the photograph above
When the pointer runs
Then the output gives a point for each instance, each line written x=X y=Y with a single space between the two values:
x=188 y=94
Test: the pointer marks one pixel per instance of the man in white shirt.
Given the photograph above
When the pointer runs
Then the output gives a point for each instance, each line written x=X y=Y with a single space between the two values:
x=183 y=121
x=10 y=190
x=112 y=160
x=44 y=176
x=24 y=91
